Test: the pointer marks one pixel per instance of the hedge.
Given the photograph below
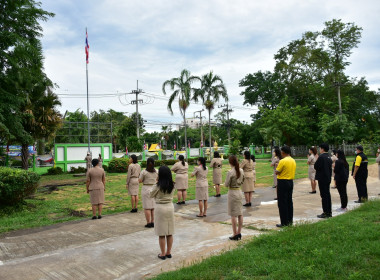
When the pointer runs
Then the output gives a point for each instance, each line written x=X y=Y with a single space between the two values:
x=118 y=165
x=55 y=171
x=158 y=163
x=16 y=185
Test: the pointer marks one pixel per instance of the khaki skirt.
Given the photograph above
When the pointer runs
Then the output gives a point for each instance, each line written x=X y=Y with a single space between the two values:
x=248 y=184
x=97 y=196
x=311 y=172
x=201 y=193
x=274 y=179
x=181 y=181
x=164 y=219
x=133 y=187
x=217 y=176
x=147 y=202
x=234 y=202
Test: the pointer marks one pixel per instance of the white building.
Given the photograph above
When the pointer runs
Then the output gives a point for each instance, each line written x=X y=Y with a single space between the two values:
x=195 y=123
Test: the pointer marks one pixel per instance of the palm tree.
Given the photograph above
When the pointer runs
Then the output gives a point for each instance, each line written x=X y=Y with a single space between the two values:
x=212 y=88
x=182 y=89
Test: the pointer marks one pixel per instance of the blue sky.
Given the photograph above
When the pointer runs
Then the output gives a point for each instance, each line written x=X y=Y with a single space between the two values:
x=152 y=41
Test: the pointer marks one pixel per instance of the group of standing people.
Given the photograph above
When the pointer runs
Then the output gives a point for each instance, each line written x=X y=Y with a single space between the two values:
x=322 y=168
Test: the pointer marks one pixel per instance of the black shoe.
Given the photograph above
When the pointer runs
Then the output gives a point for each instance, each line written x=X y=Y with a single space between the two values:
x=275 y=198
x=134 y=210
x=235 y=237
x=247 y=205
x=324 y=216
x=179 y=203
x=99 y=217
x=94 y=218
x=183 y=202
x=169 y=256
x=161 y=257
x=151 y=225
x=279 y=225
x=147 y=225
x=313 y=192
x=358 y=201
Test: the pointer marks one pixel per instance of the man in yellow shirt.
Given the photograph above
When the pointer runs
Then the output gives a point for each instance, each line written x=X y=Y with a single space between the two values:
x=285 y=171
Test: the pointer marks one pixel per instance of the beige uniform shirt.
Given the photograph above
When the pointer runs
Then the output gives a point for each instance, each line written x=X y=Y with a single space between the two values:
x=148 y=178
x=248 y=167
x=134 y=170
x=161 y=197
x=178 y=168
x=232 y=181
x=201 y=176
x=96 y=176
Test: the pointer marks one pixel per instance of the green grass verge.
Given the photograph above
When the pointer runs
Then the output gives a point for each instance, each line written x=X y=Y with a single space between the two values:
x=343 y=247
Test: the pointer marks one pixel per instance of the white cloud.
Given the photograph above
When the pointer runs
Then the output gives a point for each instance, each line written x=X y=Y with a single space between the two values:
x=152 y=41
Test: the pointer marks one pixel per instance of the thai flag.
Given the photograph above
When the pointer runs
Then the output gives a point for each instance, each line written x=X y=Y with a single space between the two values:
x=201 y=144
x=188 y=143
x=126 y=150
x=175 y=146
x=145 y=146
x=87 y=48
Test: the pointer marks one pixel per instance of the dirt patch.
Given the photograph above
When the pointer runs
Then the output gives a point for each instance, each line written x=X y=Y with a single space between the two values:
x=60 y=183
x=75 y=213
x=373 y=170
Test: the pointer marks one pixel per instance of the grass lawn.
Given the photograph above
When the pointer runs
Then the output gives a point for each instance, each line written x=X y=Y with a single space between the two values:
x=343 y=247
x=52 y=205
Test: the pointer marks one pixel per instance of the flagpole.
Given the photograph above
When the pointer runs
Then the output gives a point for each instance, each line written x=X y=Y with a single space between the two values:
x=88 y=104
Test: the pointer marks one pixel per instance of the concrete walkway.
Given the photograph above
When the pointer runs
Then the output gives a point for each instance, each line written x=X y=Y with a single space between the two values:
x=119 y=247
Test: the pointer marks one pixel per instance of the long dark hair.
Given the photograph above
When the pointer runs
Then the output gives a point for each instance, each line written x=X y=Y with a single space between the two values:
x=277 y=152
x=95 y=162
x=253 y=158
x=134 y=158
x=150 y=165
x=314 y=150
x=234 y=162
x=342 y=157
x=202 y=160
x=216 y=154
x=165 y=180
x=182 y=158
x=247 y=155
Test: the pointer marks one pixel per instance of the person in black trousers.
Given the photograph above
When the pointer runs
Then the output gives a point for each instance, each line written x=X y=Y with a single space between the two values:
x=360 y=174
x=323 y=168
x=341 y=171
x=285 y=171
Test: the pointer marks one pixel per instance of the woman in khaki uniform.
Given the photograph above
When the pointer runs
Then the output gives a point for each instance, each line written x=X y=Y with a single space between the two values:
x=96 y=185
x=163 y=195
x=234 y=180
x=311 y=159
x=378 y=160
x=249 y=184
x=216 y=165
x=88 y=160
x=100 y=161
x=180 y=168
x=201 y=186
x=148 y=178
x=132 y=186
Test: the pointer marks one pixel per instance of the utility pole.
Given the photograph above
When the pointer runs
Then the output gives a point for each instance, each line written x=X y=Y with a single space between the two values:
x=137 y=101
x=227 y=110
x=200 y=119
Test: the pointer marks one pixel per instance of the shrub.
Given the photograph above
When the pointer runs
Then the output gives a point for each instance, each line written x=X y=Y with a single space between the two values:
x=118 y=165
x=18 y=163
x=78 y=170
x=16 y=185
x=55 y=171
x=105 y=167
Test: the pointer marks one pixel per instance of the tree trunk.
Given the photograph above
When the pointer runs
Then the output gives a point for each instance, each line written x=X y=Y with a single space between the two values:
x=209 y=131
x=24 y=156
x=184 y=121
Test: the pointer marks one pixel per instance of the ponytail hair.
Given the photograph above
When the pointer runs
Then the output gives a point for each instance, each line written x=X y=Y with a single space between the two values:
x=234 y=162
x=182 y=159
x=202 y=160
x=247 y=155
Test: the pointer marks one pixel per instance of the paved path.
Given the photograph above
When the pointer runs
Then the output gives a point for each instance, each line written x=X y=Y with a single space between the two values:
x=119 y=247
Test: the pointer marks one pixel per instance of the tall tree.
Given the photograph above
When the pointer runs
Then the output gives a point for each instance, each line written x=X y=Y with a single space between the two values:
x=182 y=89
x=211 y=90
